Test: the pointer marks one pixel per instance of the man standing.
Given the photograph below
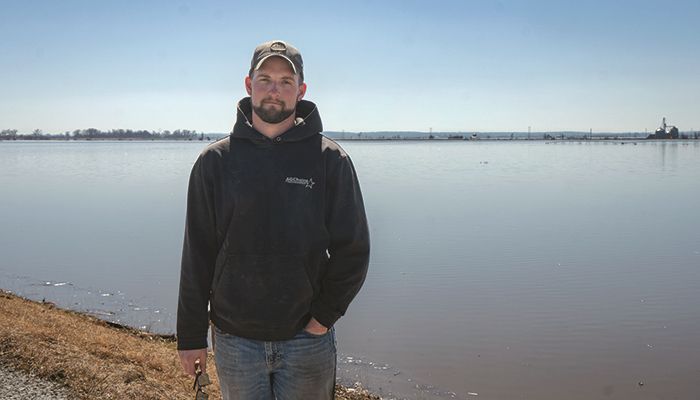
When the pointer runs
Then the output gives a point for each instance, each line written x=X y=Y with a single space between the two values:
x=276 y=242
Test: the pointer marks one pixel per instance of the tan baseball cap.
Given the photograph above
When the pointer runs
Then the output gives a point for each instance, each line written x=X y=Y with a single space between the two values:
x=278 y=48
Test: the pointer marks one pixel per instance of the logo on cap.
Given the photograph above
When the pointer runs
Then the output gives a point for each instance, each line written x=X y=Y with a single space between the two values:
x=278 y=47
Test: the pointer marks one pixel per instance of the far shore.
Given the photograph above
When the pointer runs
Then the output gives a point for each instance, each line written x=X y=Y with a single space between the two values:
x=390 y=139
x=96 y=359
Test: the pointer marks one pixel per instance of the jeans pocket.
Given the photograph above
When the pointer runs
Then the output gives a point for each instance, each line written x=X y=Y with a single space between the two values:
x=306 y=333
x=216 y=331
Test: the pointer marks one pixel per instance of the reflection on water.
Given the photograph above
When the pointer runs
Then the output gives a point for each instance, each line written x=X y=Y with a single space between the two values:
x=503 y=270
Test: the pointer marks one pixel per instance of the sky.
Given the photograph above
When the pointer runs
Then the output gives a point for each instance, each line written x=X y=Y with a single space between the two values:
x=461 y=66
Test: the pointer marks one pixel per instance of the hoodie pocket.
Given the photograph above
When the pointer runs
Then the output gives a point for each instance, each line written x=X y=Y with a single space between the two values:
x=263 y=290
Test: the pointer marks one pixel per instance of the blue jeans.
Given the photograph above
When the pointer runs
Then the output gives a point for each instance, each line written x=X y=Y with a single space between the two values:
x=302 y=368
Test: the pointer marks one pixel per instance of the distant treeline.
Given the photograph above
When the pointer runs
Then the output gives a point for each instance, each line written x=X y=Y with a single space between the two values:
x=185 y=134
x=92 y=133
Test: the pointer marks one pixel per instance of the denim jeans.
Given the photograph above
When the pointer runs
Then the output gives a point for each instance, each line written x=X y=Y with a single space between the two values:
x=302 y=368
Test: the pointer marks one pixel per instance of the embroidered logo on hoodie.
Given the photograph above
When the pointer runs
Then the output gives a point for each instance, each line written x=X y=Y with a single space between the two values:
x=308 y=183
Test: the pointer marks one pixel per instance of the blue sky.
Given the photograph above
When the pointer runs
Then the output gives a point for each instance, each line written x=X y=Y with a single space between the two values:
x=613 y=66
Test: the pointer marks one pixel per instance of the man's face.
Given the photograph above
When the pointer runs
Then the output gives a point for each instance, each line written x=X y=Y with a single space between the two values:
x=274 y=90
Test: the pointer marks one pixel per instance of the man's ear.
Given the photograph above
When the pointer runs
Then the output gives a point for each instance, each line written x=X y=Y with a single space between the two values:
x=248 y=85
x=302 y=91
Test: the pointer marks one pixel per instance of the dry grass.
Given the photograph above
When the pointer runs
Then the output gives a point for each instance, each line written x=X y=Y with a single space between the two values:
x=95 y=359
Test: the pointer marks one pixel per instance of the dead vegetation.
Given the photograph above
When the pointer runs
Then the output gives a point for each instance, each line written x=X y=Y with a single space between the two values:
x=95 y=359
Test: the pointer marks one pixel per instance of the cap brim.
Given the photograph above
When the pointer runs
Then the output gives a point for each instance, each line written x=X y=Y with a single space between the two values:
x=262 y=60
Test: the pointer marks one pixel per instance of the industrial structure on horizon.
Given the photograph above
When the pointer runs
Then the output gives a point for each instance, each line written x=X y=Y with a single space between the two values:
x=664 y=131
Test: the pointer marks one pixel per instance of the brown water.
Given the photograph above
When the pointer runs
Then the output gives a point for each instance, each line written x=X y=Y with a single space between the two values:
x=508 y=270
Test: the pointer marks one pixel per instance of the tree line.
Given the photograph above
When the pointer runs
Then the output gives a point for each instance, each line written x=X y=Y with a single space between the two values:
x=92 y=133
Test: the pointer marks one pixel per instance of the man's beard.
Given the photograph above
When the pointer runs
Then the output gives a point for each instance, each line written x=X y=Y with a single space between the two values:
x=273 y=115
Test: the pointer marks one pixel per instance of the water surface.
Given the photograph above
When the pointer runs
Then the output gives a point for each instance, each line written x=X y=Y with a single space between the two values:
x=503 y=270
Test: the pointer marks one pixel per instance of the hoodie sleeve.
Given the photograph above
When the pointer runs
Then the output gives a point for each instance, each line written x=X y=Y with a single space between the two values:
x=349 y=244
x=198 y=258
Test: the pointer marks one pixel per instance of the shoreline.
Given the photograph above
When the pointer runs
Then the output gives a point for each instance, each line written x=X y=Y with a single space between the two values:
x=96 y=359
x=387 y=139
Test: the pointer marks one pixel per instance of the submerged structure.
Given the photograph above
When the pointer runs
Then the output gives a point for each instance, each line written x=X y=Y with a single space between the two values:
x=664 y=131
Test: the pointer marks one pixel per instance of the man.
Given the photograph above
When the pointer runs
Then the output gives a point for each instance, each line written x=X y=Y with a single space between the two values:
x=276 y=242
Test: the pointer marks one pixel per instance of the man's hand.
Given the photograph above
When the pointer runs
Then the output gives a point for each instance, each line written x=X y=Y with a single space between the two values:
x=188 y=357
x=315 y=328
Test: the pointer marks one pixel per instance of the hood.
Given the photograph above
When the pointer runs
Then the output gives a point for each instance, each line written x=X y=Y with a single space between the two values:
x=308 y=123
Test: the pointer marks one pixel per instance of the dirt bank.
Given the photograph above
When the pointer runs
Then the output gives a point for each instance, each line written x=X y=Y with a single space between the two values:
x=94 y=359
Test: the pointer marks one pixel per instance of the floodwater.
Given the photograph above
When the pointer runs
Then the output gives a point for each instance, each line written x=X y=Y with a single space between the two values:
x=500 y=270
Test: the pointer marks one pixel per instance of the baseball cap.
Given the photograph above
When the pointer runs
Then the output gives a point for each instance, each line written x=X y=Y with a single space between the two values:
x=278 y=48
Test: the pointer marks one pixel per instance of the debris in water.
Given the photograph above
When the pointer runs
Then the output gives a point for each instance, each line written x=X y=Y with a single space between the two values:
x=101 y=312
x=473 y=394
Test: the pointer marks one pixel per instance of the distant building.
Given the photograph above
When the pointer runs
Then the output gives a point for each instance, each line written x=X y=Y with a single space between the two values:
x=664 y=131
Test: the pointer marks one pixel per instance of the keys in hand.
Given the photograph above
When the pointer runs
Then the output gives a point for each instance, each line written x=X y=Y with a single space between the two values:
x=201 y=380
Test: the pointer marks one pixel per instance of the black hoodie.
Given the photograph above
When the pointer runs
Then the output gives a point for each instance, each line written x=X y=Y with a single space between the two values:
x=275 y=233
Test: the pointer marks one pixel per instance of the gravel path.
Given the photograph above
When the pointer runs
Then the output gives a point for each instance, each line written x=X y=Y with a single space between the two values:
x=16 y=385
